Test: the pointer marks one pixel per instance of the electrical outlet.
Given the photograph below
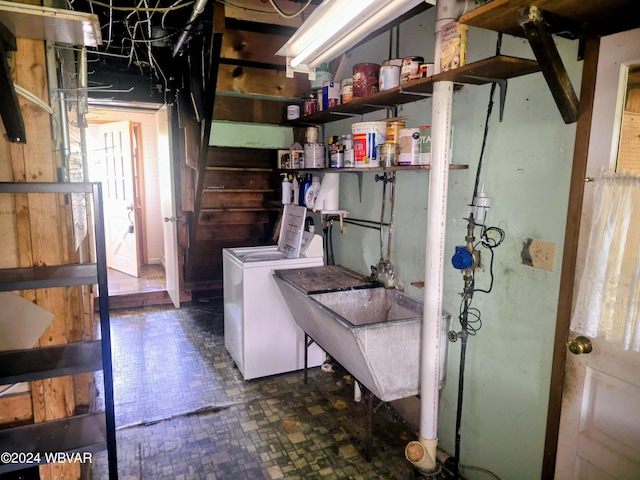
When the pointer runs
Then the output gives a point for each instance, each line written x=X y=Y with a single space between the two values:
x=539 y=254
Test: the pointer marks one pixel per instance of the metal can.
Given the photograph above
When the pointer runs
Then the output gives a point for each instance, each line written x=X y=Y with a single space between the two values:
x=410 y=69
x=346 y=89
x=365 y=79
x=393 y=131
x=309 y=107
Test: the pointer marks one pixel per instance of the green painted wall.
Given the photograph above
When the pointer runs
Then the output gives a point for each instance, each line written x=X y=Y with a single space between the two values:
x=249 y=135
x=526 y=172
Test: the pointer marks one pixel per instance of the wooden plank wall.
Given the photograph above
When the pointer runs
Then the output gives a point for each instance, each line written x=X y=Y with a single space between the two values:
x=36 y=231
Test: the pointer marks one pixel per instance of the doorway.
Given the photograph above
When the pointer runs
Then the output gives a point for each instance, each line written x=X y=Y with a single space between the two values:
x=122 y=153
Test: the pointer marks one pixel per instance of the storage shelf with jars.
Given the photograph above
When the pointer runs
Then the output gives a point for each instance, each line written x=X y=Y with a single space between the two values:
x=493 y=69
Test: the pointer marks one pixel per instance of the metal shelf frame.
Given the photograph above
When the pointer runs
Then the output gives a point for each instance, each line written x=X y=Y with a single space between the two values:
x=80 y=433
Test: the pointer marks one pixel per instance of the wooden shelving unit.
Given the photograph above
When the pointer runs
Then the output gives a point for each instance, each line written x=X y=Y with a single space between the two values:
x=80 y=433
x=500 y=67
x=599 y=17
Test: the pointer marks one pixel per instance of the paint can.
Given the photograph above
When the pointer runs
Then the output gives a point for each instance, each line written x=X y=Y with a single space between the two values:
x=389 y=77
x=366 y=138
x=346 y=88
x=409 y=146
x=424 y=155
x=393 y=61
x=410 y=68
x=393 y=130
x=313 y=155
x=365 y=79
x=309 y=105
x=293 y=112
x=311 y=135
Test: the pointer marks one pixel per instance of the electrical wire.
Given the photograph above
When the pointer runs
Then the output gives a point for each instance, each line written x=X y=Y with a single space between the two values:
x=289 y=15
x=486 y=123
x=140 y=9
x=247 y=9
x=480 y=469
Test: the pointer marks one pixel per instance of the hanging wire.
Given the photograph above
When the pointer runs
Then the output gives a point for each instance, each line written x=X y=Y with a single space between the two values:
x=140 y=9
x=486 y=123
x=289 y=15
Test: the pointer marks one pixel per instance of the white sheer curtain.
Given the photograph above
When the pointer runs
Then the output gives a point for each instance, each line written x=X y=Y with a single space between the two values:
x=608 y=299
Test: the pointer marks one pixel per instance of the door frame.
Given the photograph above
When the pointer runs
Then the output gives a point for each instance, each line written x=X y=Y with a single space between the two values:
x=570 y=251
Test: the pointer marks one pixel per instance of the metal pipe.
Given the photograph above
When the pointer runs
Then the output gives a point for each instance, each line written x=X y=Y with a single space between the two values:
x=198 y=8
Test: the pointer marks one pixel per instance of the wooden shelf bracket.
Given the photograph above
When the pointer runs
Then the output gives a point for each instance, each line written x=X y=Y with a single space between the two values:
x=534 y=24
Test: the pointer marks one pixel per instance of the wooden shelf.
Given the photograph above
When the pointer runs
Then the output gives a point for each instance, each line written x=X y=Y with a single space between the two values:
x=499 y=67
x=238 y=169
x=238 y=209
x=82 y=433
x=397 y=168
x=600 y=17
x=48 y=277
x=237 y=190
x=56 y=361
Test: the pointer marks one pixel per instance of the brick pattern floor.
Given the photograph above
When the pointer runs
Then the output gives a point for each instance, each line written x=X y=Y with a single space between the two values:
x=151 y=279
x=183 y=410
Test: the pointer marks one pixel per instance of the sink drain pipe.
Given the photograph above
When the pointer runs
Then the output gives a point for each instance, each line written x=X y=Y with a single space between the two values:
x=422 y=453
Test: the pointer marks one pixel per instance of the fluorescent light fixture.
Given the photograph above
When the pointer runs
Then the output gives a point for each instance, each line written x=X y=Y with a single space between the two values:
x=337 y=25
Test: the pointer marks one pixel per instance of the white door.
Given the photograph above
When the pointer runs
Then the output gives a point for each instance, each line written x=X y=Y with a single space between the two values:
x=116 y=163
x=600 y=420
x=168 y=205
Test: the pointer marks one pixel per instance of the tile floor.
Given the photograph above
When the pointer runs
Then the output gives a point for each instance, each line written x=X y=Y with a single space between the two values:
x=152 y=279
x=183 y=410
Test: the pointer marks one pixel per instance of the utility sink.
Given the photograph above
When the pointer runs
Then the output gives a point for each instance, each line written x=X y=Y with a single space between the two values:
x=373 y=332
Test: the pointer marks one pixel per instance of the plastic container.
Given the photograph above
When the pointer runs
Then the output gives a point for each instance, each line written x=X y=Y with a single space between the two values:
x=365 y=79
x=388 y=154
x=312 y=193
x=366 y=138
x=323 y=74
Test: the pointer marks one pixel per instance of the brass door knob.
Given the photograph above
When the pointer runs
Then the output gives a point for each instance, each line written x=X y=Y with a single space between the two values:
x=580 y=345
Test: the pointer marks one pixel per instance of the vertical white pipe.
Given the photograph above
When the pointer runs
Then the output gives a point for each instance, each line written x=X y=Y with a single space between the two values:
x=441 y=110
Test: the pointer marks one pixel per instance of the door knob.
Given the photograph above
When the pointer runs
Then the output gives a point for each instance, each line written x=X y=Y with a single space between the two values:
x=580 y=345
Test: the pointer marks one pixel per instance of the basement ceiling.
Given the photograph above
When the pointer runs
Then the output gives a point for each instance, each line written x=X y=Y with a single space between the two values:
x=139 y=39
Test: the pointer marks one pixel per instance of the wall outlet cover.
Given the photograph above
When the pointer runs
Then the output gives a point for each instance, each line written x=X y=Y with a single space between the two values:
x=538 y=254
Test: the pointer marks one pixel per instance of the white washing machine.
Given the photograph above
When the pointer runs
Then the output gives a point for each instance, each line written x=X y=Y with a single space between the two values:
x=259 y=330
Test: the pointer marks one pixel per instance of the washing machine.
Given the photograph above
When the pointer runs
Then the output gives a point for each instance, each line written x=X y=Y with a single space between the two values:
x=260 y=333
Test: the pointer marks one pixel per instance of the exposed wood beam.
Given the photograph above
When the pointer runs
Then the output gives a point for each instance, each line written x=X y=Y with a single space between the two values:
x=532 y=21
x=9 y=106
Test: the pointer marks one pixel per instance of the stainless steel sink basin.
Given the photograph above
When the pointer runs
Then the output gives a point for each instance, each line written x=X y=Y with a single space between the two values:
x=372 y=332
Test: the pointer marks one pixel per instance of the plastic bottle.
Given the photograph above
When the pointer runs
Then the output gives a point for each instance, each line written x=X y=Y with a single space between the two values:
x=295 y=190
x=286 y=189
x=304 y=186
x=312 y=193
x=323 y=74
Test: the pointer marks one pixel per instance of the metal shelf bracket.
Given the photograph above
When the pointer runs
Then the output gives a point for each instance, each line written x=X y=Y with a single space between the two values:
x=502 y=83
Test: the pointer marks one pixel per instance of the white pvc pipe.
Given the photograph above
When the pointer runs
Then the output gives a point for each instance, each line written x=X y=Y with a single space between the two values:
x=441 y=110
